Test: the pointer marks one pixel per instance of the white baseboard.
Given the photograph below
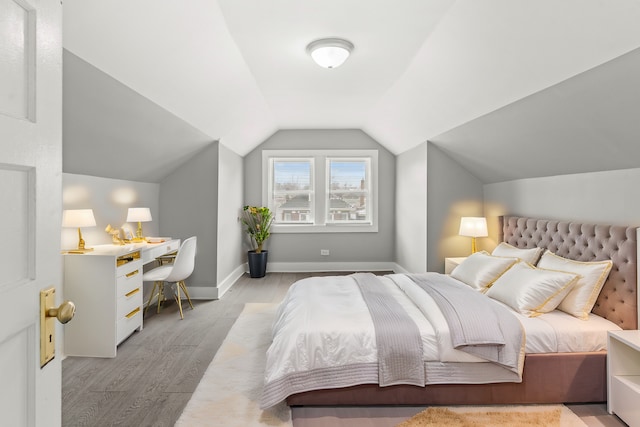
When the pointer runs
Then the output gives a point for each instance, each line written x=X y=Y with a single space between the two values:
x=308 y=267
x=202 y=292
x=400 y=269
x=228 y=281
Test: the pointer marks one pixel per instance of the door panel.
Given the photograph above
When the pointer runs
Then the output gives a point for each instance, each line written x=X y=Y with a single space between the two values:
x=30 y=205
x=17 y=43
x=16 y=188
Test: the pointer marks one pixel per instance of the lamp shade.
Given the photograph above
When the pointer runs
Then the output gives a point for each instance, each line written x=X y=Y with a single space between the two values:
x=138 y=215
x=76 y=218
x=472 y=226
x=330 y=53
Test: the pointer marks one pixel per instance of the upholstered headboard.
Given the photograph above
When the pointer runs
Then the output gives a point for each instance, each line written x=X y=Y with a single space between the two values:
x=587 y=242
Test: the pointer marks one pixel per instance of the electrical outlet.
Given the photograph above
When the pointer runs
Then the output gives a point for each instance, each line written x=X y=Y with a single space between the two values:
x=324 y=252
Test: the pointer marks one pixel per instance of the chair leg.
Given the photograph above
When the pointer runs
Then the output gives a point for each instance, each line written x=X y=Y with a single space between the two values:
x=186 y=292
x=151 y=295
x=177 y=296
x=160 y=295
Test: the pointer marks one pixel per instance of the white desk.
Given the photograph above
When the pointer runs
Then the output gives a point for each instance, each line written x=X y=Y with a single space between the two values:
x=106 y=287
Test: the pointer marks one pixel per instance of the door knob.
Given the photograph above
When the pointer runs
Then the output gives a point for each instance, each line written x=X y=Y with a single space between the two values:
x=48 y=312
x=63 y=313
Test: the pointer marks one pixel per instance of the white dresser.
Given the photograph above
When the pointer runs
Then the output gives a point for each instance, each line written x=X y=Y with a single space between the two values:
x=106 y=287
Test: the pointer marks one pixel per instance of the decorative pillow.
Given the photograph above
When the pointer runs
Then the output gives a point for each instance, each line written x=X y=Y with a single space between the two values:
x=531 y=255
x=582 y=297
x=480 y=270
x=530 y=290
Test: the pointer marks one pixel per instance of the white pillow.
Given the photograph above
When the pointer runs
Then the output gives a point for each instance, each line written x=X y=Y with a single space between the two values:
x=530 y=290
x=582 y=297
x=479 y=270
x=531 y=255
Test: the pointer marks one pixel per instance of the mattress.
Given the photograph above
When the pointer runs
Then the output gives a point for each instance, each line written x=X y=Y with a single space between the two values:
x=324 y=323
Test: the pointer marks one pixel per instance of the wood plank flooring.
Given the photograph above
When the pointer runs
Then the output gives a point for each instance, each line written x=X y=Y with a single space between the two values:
x=157 y=370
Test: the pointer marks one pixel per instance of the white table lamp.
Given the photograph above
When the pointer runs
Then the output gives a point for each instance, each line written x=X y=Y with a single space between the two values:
x=72 y=218
x=139 y=215
x=472 y=226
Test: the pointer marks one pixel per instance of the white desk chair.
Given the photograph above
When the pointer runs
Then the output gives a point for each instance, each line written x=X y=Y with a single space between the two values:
x=177 y=273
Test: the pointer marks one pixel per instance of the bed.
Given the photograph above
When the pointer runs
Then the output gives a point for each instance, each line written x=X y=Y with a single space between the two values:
x=545 y=377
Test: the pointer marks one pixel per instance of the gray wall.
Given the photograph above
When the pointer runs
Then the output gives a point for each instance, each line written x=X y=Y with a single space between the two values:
x=230 y=199
x=411 y=209
x=344 y=247
x=610 y=197
x=452 y=193
x=110 y=200
x=433 y=192
x=189 y=207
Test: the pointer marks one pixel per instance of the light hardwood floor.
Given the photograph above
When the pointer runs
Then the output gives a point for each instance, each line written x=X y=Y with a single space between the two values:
x=157 y=370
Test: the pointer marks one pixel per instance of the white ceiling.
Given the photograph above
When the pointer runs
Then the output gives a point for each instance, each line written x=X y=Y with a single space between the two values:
x=237 y=70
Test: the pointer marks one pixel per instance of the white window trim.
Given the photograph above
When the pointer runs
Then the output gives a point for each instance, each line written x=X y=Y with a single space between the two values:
x=320 y=190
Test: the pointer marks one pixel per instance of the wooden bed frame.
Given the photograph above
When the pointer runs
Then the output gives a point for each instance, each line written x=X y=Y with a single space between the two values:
x=547 y=378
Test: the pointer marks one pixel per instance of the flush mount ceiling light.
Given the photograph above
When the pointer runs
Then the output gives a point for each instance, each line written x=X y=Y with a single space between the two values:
x=330 y=53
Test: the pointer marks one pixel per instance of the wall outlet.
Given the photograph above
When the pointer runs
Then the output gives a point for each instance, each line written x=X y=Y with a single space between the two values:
x=324 y=252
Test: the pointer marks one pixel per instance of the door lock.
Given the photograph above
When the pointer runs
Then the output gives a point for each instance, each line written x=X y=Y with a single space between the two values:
x=48 y=313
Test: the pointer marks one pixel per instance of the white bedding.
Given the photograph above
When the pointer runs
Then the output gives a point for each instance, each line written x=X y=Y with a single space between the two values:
x=323 y=322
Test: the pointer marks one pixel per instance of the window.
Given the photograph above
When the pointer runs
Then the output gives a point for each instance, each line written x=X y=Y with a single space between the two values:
x=348 y=190
x=321 y=190
x=292 y=190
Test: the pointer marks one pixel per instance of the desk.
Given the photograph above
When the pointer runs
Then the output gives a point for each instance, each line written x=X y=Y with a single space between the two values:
x=106 y=287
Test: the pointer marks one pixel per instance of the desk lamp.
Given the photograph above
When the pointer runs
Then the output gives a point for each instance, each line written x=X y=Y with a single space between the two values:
x=471 y=226
x=139 y=215
x=72 y=218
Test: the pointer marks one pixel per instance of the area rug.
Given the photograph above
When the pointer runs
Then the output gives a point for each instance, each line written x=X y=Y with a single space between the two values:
x=489 y=416
x=229 y=393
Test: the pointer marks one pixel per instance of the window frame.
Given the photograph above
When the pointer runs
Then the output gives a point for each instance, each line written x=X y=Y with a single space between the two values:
x=320 y=193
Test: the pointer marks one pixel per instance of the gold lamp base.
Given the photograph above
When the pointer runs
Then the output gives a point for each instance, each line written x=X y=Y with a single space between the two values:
x=139 y=237
x=81 y=249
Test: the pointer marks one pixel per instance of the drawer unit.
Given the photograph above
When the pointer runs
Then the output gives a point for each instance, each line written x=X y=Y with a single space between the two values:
x=624 y=397
x=107 y=291
x=159 y=249
x=623 y=375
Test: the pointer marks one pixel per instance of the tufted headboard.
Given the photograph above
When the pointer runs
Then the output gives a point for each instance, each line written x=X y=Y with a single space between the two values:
x=617 y=301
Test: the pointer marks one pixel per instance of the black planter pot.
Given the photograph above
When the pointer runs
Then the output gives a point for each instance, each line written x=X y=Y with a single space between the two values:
x=257 y=263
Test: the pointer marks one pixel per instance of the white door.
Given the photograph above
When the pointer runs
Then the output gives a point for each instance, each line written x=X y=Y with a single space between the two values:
x=30 y=205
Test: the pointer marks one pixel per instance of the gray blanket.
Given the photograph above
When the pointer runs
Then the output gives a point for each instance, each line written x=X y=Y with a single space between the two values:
x=478 y=325
x=398 y=341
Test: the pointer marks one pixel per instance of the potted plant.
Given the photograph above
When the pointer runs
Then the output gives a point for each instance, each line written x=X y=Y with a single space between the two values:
x=258 y=220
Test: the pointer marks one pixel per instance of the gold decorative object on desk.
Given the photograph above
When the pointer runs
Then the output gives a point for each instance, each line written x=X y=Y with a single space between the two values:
x=72 y=218
x=115 y=235
x=139 y=215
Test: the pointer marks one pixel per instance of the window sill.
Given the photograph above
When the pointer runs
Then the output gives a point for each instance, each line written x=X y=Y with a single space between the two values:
x=328 y=228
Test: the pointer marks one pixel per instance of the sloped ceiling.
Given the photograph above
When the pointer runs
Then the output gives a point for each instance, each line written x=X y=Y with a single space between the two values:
x=588 y=123
x=237 y=70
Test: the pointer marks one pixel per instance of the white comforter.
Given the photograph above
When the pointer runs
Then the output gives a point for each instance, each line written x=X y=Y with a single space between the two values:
x=323 y=323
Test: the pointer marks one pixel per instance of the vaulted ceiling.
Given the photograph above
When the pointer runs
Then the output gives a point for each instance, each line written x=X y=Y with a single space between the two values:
x=553 y=81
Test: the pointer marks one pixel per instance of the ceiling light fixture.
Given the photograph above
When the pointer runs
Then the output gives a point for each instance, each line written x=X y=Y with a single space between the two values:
x=330 y=53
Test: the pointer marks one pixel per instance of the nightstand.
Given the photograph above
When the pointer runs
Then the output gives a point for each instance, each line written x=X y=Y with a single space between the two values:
x=451 y=263
x=623 y=375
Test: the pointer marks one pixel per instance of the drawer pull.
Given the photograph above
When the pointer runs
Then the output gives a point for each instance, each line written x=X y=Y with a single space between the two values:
x=133 y=273
x=133 y=292
x=133 y=313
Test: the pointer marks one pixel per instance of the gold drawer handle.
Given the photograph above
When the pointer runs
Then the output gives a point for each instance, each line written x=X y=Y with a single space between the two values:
x=133 y=313
x=133 y=273
x=133 y=292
